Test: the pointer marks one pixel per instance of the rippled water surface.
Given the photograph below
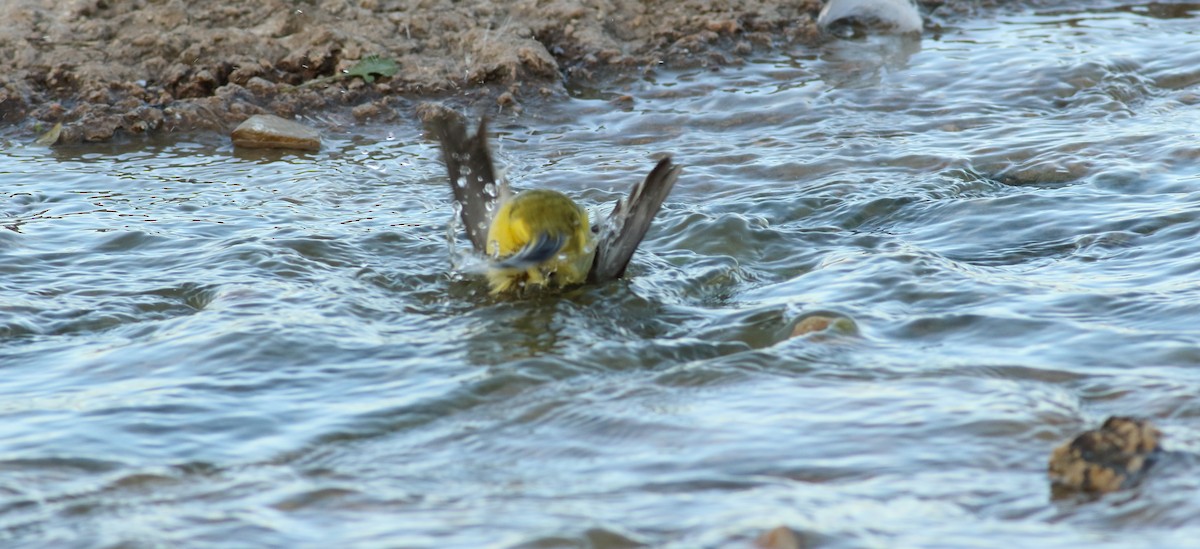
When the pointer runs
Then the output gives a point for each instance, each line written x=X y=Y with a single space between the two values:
x=205 y=347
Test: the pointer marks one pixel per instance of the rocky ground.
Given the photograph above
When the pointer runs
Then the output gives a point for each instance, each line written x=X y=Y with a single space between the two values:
x=109 y=68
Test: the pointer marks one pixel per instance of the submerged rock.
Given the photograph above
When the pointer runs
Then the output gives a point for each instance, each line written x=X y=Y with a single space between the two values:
x=829 y=324
x=266 y=131
x=780 y=537
x=1107 y=459
x=851 y=16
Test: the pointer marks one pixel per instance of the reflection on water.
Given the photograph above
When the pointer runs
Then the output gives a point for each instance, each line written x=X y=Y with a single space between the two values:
x=862 y=62
x=199 y=345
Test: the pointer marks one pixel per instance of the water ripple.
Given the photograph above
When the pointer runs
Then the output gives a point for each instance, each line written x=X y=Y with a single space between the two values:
x=200 y=344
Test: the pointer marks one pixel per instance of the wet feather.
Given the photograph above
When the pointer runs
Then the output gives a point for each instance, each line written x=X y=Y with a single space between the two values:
x=630 y=220
x=472 y=177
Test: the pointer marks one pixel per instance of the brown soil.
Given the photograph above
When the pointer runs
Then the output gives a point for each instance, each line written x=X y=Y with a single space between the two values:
x=110 y=67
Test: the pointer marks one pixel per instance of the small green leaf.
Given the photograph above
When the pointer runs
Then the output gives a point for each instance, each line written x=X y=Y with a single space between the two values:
x=373 y=65
x=50 y=137
x=367 y=69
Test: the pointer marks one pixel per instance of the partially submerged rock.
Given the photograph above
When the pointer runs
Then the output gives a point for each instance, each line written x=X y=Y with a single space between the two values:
x=1107 y=459
x=899 y=16
x=267 y=131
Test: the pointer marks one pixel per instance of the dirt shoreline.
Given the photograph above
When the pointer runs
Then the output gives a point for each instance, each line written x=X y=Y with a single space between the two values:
x=107 y=68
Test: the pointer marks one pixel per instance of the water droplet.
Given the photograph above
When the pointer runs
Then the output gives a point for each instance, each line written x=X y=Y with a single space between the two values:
x=451 y=231
x=462 y=184
x=490 y=190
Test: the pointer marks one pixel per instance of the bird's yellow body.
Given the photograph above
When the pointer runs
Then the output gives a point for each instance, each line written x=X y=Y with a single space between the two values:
x=539 y=238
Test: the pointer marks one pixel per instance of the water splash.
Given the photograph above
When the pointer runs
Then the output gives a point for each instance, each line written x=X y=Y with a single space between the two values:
x=463 y=259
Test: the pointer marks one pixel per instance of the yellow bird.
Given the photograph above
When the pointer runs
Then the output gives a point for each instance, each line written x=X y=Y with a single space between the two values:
x=541 y=238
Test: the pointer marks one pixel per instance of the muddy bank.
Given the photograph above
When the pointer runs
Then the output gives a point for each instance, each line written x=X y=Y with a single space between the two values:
x=106 y=68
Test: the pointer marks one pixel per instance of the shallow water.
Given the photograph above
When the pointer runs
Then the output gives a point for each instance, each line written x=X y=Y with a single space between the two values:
x=205 y=347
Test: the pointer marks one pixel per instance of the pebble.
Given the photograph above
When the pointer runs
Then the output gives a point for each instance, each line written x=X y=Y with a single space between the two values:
x=267 y=131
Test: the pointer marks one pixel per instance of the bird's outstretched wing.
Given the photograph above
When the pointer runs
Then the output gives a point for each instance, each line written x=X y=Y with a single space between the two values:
x=472 y=177
x=627 y=225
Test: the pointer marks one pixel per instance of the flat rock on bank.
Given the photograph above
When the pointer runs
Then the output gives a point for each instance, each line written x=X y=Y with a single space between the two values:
x=108 y=67
x=267 y=131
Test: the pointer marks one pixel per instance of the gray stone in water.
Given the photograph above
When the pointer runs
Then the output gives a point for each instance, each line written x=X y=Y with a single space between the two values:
x=266 y=131
x=899 y=16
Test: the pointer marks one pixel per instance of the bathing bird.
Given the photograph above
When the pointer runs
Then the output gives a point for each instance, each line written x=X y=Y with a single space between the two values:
x=540 y=238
